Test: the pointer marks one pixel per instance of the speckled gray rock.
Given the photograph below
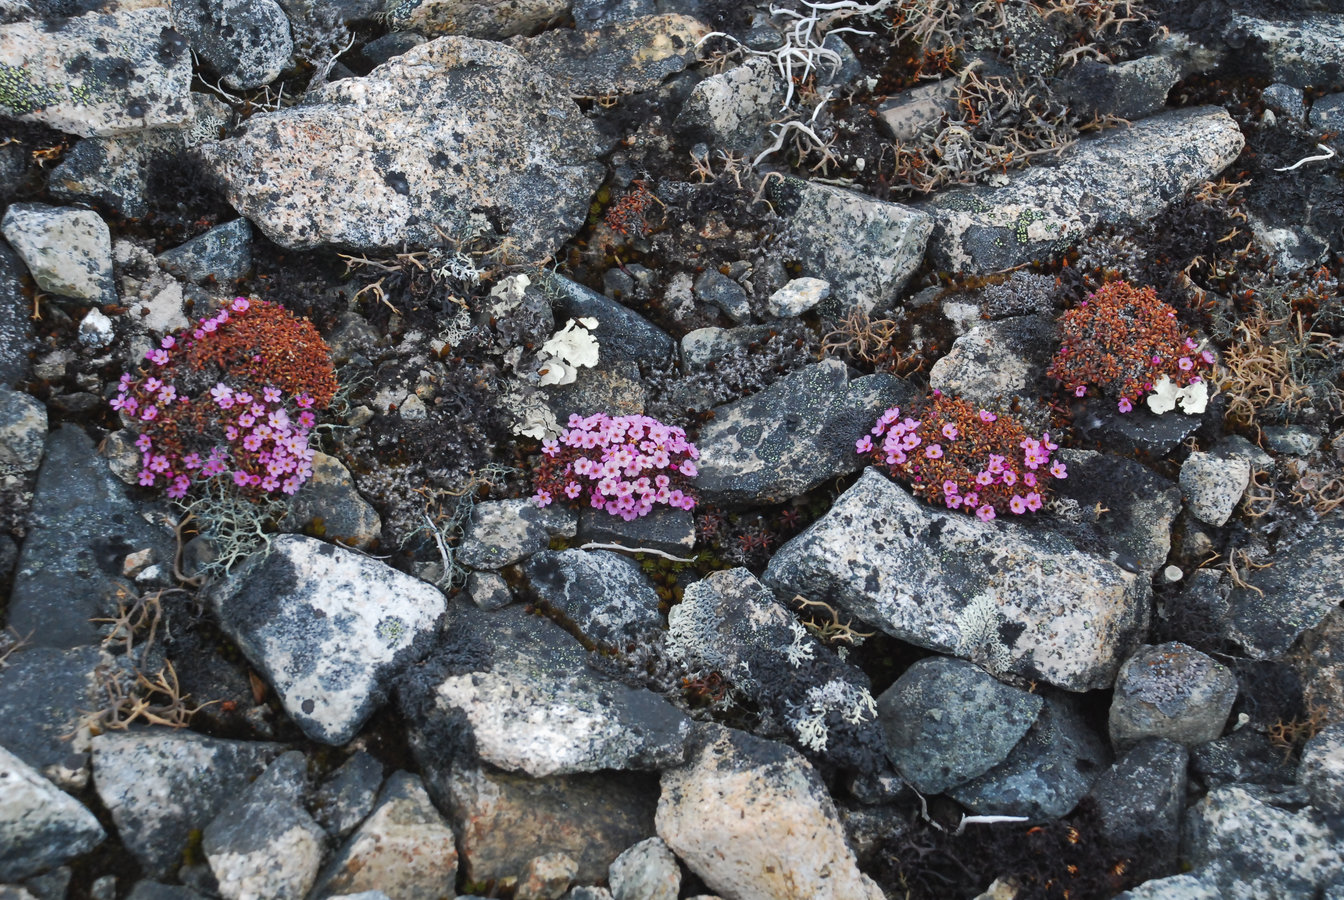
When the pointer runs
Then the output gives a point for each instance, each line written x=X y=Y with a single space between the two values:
x=516 y=691
x=1142 y=796
x=1193 y=886
x=398 y=155
x=731 y=110
x=405 y=849
x=1294 y=440
x=798 y=296
x=98 y=74
x=331 y=505
x=160 y=785
x=1213 y=485
x=343 y=801
x=489 y=590
x=1287 y=100
x=603 y=593
x=1253 y=848
x=621 y=332
x=664 y=528
x=1327 y=113
x=716 y=289
x=16 y=328
x=40 y=825
x=1294 y=594
x=264 y=843
x=68 y=251
x=499 y=533
x=1171 y=691
x=327 y=627
x=493 y=20
x=866 y=248
x=246 y=42
x=998 y=361
x=115 y=171
x=991 y=592
x=794 y=435
x=647 y=871
x=753 y=819
x=23 y=432
x=221 y=255
x=546 y=877
x=1321 y=771
x=909 y=112
x=153 y=890
x=704 y=345
x=948 y=721
x=42 y=693
x=1131 y=89
x=1302 y=51
x=1126 y=176
x=633 y=55
x=1244 y=756
x=1136 y=506
x=730 y=623
x=83 y=525
x=1046 y=774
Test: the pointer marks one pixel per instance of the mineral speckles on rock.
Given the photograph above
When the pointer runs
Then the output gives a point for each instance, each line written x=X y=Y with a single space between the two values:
x=395 y=158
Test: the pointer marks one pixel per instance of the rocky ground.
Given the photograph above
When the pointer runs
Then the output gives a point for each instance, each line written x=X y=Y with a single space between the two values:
x=365 y=661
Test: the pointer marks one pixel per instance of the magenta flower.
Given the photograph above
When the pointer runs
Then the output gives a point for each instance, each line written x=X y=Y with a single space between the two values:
x=1208 y=357
x=950 y=431
x=1125 y=405
x=150 y=413
x=1033 y=501
x=985 y=513
x=933 y=451
x=689 y=470
x=143 y=443
x=159 y=357
x=986 y=416
x=950 y=487
x=168 y=342
x=864 y=444
x=1057 y=470
x=1080 y=390
x=239 y=304
x=1018 y=505
x=1185 y=364
x=550 y=447
x=146 y=478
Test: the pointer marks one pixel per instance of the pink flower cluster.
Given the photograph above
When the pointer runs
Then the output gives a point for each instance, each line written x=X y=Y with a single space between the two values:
x=624 y=465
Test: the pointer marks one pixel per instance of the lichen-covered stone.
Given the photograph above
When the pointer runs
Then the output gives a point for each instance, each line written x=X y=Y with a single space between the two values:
x=40 y=825
x=621 y=332
x=23 y=432
x=647 y=871
x=493 y=19
x=328 y=628
x=603 y=594
x=394 y=159
x=1125 y=176
x=633 y=55
x=732 y=110
x=1302 y=51
x=16 y=328
x=42 y=691
x=499 y=533
x=1171 y=691
x=1213 y=485
x=103 y=73
x=342 y=802
x=1142 y=797
x=159 y=785
x=1321 y=771
x=221 y=255
x=331 y=506
x=753 y=819
x=246 y=41
x=67 y=251
x=991 y=592
x=998 y=361
x=792 y=436
x=948 y=721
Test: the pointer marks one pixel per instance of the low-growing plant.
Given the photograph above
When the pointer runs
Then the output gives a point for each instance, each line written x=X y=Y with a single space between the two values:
x=624 y=465
x=1127 y=343
x=950 y=453
x=235 y=397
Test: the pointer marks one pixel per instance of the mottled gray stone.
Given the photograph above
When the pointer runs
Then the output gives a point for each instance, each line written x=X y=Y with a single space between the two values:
x=1046 y=774
x=1142 y=796
x=911 y=111
x=718 y=290
x=1244 y=756
x=1286 y=99
x=1302 y=51
x=343 y=801
x=95 y=330
x=42 y=693
x=704 y=345
x=604 y=594
x=1171 y=691
x=794 y=435
x=1294 y=594
x=621 y=333
x=866 y=248
x=647 y=871
x=489 y=590
x=405 y=849
x=331 y=506
x=152 y=890
x=995 y=593
x=731 y=624
x=765 y=802
x=1123 y=177
x=1194 y=886
x=83 y=526
x=1294 y=440
x=1136 y=511
x=264 y=843
x=23 y=432
x=40 y=826
x=1327 y=113
x=1253 y=848
x=1131 y=89
x=500 y=533
x=16 y=328
x=664 y=528
x=798 y=296
x=518 y=690
x=67 y=251
x=1321 y=771
x=97 y=74
x=328 y=628
x=621 y=58
x=546 y=877
x=115 y=171
x=492 y=21
x=732 y=110
x=948 y=721
x=222 y=254
x=160 y=785
x=1213 y=484
x=398 y=155
x=247 y=42
x=998 y=361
